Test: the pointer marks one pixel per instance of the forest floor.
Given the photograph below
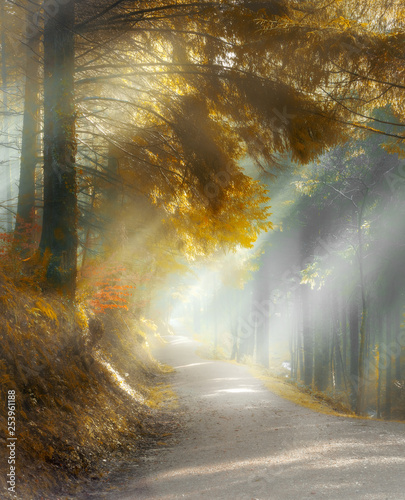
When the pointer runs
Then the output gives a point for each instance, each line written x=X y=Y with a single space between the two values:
x=237 y=440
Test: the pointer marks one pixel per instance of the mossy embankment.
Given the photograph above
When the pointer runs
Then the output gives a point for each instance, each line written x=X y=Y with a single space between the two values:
x=87 y=391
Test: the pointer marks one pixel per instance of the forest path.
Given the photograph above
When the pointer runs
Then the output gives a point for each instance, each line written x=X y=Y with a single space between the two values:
x=240 y=441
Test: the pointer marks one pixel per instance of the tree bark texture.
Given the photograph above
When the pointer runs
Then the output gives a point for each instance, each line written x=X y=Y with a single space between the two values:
x=354 y=350
x=59 y=232
x=26 y=192
x=6 y=166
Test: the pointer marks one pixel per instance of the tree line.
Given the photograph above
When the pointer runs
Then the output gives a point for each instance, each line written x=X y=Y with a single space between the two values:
x=329 y=281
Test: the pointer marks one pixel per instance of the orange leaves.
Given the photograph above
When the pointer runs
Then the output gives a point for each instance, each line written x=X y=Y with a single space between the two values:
x=108 y=291
x=110 y=296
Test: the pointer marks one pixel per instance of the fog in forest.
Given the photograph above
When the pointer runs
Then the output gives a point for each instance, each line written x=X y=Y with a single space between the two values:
x=232 y=172
x=297 y=294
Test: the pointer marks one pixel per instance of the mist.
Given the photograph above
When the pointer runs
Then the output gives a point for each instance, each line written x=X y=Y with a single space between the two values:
x=202 y=208
x=329 y=272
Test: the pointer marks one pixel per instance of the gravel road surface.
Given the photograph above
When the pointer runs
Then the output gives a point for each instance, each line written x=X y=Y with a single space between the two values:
x=240 y=441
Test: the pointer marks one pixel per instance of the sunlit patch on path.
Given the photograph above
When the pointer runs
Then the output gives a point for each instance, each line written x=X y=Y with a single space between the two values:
x=193 y=364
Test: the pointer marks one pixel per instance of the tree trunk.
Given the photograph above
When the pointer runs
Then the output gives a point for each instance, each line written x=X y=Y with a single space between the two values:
x=361 y=389
x=6 y=122
x=26 y=193
x=388 y=361
x=336 y=354
x=307 y=337
x=87 y=239
x=59 y=230
x=379 y=363
x=293 y=345
x=321 y=345
x=300 y=350
x=343 y=330
x=354 y=350
x=398 y=348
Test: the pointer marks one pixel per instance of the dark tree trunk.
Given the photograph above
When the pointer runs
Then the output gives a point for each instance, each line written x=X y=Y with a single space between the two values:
x=87 y=238
x=300 y=349
x=361 y=387
x=388 y=361
x=6 y=122
x=26 y=192
x=299 y=344
x=380 y=363
x=307 y=337
x=321 y=347
x=354 y=350
x=398 y=348
x=59 y=230
x=336 y=353
x=343 y=329
x=293 y=344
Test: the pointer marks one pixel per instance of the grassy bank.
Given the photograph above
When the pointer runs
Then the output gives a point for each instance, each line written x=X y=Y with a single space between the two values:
x=87 y=391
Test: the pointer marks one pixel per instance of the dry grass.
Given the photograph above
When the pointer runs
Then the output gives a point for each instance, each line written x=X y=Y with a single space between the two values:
x=82 y=394
x=314 y=400
x=309 y=399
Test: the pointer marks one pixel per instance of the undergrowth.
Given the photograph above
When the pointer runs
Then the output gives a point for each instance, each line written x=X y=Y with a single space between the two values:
x=85 y=388
x=301 y=395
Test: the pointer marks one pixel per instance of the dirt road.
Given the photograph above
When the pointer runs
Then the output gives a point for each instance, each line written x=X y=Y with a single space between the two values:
x=240 y=441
